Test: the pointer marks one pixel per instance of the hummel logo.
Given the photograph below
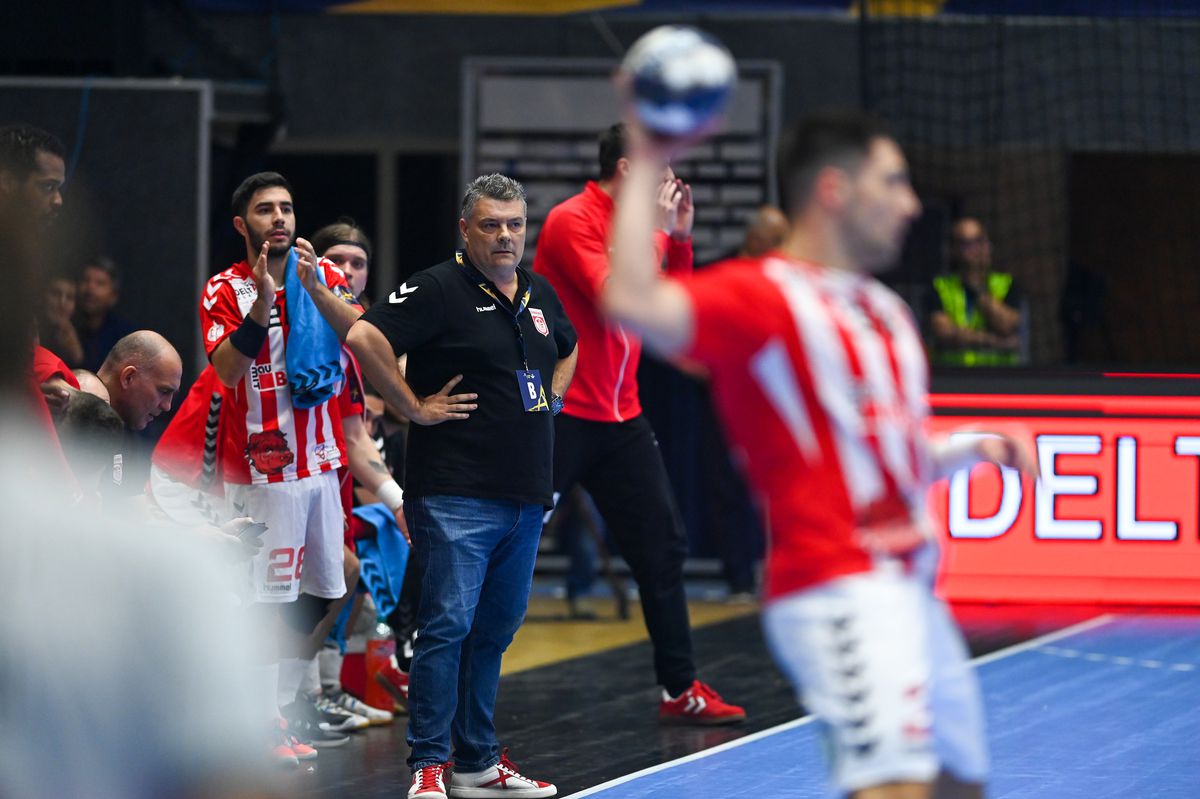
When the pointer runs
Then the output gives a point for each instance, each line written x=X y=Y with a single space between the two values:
x=396 y=296
x=695 y=705
x=491 y=307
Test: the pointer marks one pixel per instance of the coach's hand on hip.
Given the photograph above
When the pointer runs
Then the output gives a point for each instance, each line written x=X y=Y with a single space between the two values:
x=444 y=406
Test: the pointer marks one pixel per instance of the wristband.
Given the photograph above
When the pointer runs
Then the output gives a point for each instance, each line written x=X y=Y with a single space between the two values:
x=391 y=494
x=248 y=338
x=556 y=404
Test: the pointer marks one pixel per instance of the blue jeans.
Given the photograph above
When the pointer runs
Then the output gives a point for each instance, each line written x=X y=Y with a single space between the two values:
x=478 y=556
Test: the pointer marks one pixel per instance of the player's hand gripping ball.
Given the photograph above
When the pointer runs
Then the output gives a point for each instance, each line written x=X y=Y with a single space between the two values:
x=678 y=81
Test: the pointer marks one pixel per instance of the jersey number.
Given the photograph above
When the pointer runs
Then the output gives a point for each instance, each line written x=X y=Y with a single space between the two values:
x=280 y=562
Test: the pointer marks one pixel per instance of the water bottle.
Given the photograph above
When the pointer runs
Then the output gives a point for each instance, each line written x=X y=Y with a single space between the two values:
x=381 y=647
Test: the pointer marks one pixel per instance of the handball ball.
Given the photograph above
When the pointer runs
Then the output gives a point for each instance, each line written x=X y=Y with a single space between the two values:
x=679 y=79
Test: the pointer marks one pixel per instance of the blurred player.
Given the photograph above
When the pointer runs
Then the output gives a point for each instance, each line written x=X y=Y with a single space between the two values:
x=821 y=381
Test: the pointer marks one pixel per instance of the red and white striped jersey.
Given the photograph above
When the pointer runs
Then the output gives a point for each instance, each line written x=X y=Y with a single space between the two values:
x=821 y=380
x=267 y=440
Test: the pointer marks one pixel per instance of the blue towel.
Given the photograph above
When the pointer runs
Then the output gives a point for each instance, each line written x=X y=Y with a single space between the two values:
x=384 y=557
x=314 y=355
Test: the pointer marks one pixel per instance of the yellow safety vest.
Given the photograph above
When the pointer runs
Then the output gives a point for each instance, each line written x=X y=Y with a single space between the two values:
x=953 y=295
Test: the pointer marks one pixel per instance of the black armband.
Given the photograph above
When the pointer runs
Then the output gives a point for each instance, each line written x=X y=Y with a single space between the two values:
x=248 y=338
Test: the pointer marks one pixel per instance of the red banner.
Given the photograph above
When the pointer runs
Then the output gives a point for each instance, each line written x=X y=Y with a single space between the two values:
x=1115 y=517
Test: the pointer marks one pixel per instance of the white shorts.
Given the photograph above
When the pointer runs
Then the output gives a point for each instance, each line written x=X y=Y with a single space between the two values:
x=878 y=659
x=184 y=504
x=302 y=547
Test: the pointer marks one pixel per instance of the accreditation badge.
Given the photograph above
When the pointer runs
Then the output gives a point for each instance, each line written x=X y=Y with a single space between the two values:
x=533 y=395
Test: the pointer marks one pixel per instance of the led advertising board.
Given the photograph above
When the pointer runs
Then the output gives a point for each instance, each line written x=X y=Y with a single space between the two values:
x=1115 y=517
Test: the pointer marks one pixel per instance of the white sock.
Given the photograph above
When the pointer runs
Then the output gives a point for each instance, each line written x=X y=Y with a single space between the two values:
x=310 y=680
x=291 y=672
x=329 y=662
x=266 y=677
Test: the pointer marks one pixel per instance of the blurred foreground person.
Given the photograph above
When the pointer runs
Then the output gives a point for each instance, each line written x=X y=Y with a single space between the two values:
x=123 y=672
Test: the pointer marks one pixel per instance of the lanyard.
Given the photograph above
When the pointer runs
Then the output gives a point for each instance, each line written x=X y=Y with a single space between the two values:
x=475 y=276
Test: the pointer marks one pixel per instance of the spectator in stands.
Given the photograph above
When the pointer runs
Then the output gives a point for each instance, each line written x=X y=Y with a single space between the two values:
x=978 y=320
x=55 y=330
x=98 y=327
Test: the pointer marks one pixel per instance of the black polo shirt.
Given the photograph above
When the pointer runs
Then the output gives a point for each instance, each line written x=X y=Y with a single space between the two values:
x=449 y=325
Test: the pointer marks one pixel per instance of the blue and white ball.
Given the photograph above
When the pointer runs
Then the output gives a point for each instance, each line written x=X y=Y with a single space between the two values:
x=679 y=79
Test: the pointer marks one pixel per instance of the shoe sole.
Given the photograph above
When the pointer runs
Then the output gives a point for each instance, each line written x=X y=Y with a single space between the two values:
x=330 y=744
x=701 y=721
x=370 y=721
x=348 y=726
x=465 y=792
x=398 y=698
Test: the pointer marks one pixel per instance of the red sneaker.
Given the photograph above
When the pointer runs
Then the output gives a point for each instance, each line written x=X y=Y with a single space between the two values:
x=282 y=754
x=501 y=781
x=302 y=750
x=429 y=782
x=700 y=705
x=396 y=683
x=286 y=748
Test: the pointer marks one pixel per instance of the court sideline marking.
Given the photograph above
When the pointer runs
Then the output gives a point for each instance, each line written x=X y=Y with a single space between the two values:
x=1007 y=651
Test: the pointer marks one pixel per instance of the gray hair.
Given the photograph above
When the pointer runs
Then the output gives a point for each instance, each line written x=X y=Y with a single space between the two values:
x=494 y=187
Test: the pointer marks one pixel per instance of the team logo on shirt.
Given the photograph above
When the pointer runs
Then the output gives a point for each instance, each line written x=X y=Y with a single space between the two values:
x=539 y=321
x=344 y=294
x=325 y=452
x=268 y=452
x=265 y=377
x=215 y=331
x=118 y=474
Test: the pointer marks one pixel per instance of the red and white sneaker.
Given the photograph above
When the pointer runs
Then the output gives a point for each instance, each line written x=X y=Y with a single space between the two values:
x=396 y=683
x=282 y=754
x=429 y=782
x=303 y=751
x=699 y=705
x=286 y=748
x=501 y=780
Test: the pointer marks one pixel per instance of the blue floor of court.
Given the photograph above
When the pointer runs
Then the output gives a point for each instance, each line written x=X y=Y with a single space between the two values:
x=1112 y=710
